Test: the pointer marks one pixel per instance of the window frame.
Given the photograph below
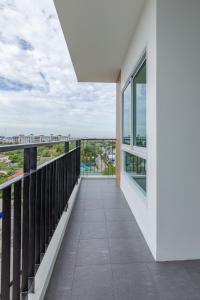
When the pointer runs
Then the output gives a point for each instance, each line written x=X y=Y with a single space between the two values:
x=133 y=148
x=132 y=179
x=130 y=80
x=130 y=115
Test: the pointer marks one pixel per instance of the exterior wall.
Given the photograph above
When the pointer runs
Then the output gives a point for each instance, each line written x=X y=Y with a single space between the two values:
x=178 y=123
x=144 y=208
x=169 y=215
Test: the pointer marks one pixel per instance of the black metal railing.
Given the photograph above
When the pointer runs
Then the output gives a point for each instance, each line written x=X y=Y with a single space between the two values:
x=32 y=205
x=98 y=157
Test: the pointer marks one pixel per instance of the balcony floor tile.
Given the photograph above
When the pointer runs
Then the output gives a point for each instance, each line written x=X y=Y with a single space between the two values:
x=104 y=256
x=93 y=251
x=95 y=230
x=93 y=283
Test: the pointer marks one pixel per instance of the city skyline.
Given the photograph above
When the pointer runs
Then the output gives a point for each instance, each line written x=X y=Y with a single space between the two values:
x=39 y=92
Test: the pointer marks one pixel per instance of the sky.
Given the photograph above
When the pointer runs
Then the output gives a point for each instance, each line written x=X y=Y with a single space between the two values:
x=39 y=92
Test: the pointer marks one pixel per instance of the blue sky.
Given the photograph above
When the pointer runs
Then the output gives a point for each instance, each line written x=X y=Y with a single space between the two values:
x=39 y=92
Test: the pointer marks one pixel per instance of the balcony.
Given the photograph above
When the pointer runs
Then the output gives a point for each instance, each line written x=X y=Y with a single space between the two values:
x=104 y=255
x=66 y=236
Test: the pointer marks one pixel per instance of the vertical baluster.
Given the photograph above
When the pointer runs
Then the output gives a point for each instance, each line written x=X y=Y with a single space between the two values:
x=37 y=219
x=47 y=207
x=73 y=164
x=72 y=175
x=67 y=174
x=53 y=196
x=62 y=202
x=64 y=180
x=79 y=156
x=58 y=200
x=58 y=195
x=42 y=213
x=33 y=166
x=64 y=184
x=79 y=159
x=67 y=180
x=50 y=200
x=60 y=189
x=76 y=155
x=66 y=147
x=78 y=162
x=61 y=185
x=72 y=168
x=56 y=192
x=6 y=244
x=25 y=236
x=32 y=232
x=17 y=241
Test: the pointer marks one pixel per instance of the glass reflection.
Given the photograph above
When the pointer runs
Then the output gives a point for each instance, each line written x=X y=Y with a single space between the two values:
x=126 y=115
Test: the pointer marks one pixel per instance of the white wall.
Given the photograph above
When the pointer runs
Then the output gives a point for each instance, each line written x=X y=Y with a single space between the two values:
x=169 y=217
x=178 y=129
x=143 y=208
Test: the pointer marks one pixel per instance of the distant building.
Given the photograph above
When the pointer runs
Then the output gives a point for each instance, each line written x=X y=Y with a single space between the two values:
x=31 y=139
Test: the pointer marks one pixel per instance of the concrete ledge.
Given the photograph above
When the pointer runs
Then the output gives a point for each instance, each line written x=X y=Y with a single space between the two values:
x=45 y=270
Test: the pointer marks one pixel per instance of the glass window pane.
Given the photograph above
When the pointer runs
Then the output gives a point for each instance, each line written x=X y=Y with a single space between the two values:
x=135 y=166
x=140 y=106
x=126 y=115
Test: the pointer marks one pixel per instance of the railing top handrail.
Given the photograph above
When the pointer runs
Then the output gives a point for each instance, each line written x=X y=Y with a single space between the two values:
x=13 y=147
x=98 y=139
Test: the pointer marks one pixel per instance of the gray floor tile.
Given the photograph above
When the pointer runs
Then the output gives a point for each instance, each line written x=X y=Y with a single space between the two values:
x=93 y=230
x=118 y=214
x=88 y=215
x=94 y=204
x=114 y=202
x=65 y=278
x=93 y=283
x=111 y=189
x=79 y=205
x=133 y=281
x=77 y=215
x=193 y=269
x=94 y=215
x=69 y=243
x=58 y=294
x=93 y=251
x=73 y=230
x=90 y=195
x=129 y=251
x=173 y=282
x=62 y=278
x=123 y=229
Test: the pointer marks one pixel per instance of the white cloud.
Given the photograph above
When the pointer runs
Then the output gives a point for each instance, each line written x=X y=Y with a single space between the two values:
x=38 y=88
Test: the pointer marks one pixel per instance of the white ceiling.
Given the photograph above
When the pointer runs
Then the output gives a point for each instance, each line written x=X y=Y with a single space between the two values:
x=98 y=33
